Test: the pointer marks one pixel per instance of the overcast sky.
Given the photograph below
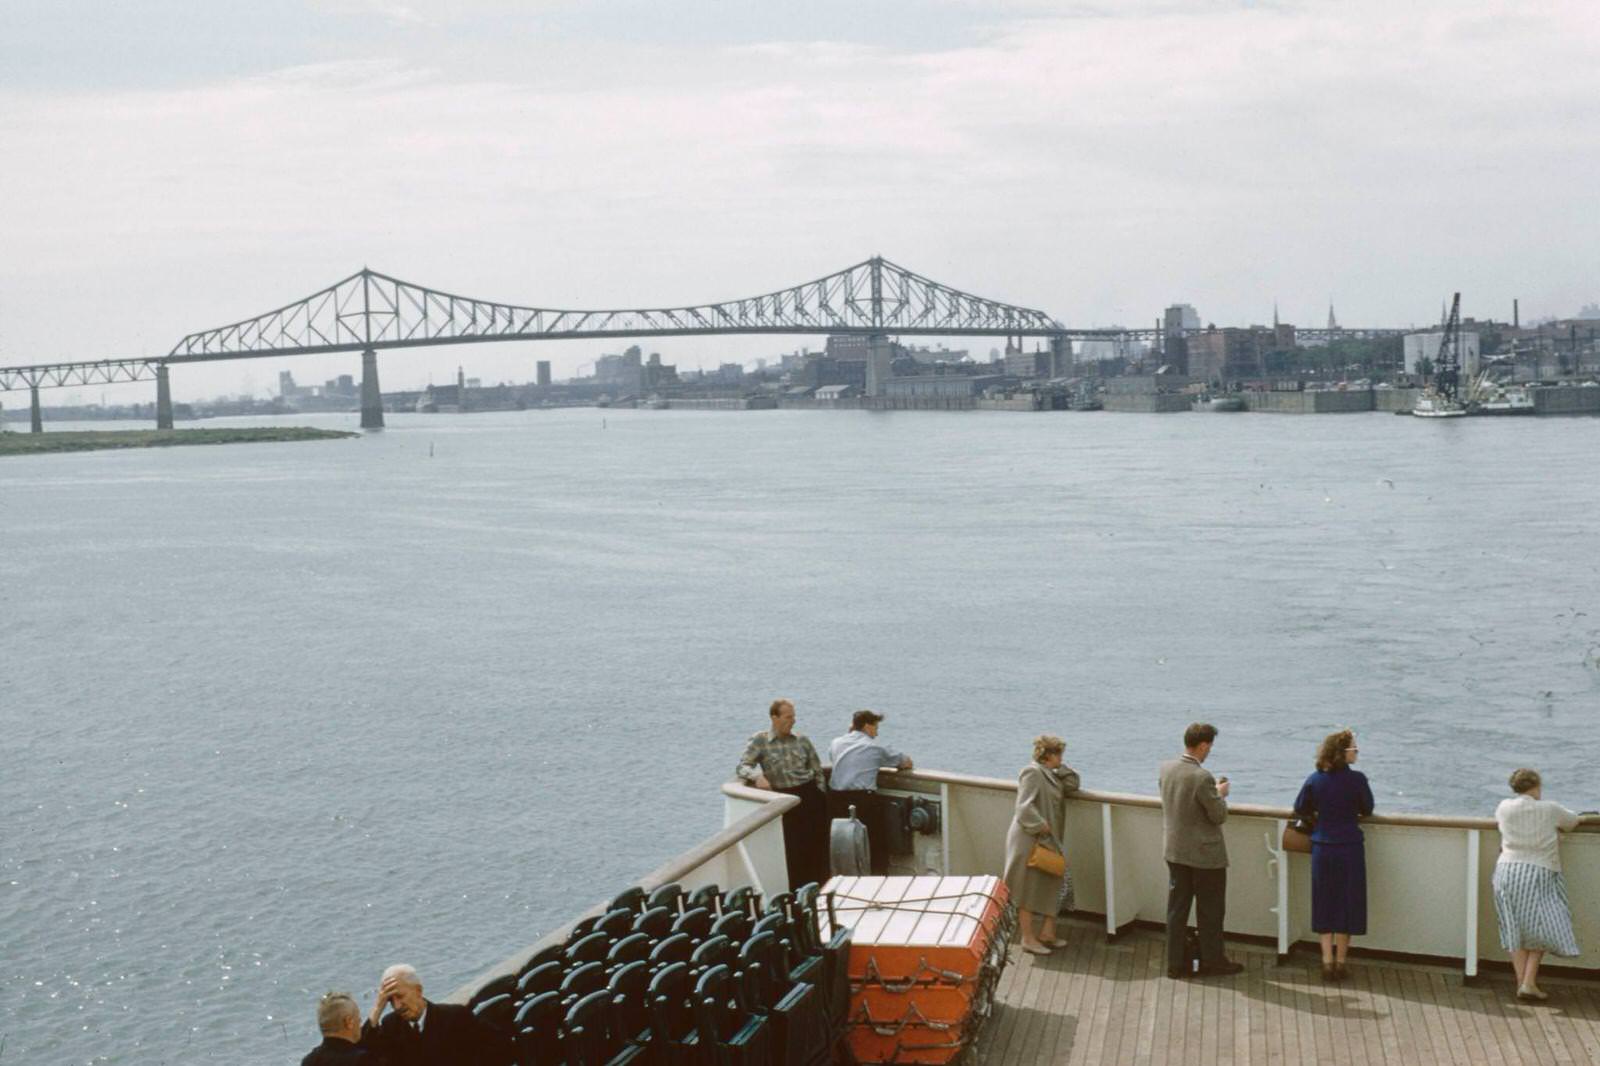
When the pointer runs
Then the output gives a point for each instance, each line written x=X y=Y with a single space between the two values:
x=169 y=166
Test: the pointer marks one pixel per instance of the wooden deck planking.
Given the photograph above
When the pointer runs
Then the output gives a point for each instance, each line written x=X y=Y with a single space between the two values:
x=1094 y=1002
x=1139 y=972
x=1383 y=1047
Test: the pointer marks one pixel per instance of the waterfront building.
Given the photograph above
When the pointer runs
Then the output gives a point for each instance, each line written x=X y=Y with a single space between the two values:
x=819 y=370
x=940 y=386
x=830 y=395
x=655 y=375
x=848 y=347
x=1420 y=346
x=1228 y=354
x=1178 y=318
x=543 y=370
x=1028 y=366
x=1098 y=349
x=623 y=372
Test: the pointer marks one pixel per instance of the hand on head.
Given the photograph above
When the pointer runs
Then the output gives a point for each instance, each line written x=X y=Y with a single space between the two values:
x=401 y=989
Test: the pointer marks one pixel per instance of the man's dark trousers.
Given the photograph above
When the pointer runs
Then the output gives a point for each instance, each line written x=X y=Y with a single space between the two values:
x=872 y=812
x=805 y=836
x=1208 y=891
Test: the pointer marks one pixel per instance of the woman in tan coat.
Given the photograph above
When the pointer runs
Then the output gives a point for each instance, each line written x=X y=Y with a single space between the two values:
x=1042 y=788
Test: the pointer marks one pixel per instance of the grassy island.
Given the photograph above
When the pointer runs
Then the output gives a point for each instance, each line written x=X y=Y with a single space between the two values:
x=12 y=443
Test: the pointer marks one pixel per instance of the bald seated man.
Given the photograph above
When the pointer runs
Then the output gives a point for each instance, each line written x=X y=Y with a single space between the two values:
x=340 y=1021
x=418 y=1032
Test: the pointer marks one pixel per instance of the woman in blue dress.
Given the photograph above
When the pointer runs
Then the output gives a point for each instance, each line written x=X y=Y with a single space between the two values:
x=1337 y=796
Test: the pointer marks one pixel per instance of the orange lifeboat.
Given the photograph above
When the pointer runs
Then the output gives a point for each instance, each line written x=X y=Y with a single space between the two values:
x=925 y=955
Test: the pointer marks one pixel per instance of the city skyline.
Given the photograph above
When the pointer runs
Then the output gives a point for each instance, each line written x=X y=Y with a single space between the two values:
x=184 y=166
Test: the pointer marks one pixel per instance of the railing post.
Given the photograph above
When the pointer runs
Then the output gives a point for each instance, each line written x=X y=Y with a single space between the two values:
x=1109 y=854
x=1280 y=859
x=1471 y=947
x=944 y=828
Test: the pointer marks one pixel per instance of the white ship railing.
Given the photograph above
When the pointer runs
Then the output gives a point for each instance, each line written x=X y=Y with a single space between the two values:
x=1427 y=877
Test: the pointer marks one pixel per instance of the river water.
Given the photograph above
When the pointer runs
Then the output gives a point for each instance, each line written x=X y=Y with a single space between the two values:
x=277 y=715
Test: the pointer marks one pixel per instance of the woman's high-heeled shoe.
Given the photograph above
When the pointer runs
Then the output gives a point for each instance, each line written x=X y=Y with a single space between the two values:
x=1330 y=973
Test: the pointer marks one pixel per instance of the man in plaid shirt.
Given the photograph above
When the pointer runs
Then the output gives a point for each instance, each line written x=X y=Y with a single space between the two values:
x=781 y=760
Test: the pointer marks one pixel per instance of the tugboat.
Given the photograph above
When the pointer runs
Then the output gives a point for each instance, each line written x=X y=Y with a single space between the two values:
x=1207 y=402
x=1432 y=404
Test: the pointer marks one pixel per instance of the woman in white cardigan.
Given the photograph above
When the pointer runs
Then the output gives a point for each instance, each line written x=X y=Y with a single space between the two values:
x=1530 y=896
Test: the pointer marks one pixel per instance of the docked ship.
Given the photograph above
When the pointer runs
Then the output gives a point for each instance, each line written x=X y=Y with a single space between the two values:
x=710 y=960
x=1511 y=400
x=1496 y=398
x=1431 y=404
x=1224 y=403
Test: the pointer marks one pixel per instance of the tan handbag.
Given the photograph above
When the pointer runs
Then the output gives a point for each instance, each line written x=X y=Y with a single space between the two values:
x=1047 y=861
x=1297 y=836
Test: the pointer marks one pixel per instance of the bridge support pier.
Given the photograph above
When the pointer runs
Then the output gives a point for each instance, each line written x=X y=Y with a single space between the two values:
x=880 y=357
x=37 y=422
x=371 y=394
x=163 y=399
x=1060 y=357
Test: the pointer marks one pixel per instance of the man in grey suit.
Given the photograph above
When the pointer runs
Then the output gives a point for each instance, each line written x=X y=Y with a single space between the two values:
x=1193 y=807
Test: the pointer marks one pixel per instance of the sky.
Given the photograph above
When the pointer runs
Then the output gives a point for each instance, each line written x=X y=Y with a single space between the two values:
x=169 y=165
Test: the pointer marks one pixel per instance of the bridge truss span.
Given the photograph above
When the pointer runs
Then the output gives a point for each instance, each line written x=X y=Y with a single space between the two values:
x=369 y=310
x=60 y=375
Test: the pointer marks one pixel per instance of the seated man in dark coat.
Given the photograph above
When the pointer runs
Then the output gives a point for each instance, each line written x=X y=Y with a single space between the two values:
x=418 y=1032
x=340 y=1021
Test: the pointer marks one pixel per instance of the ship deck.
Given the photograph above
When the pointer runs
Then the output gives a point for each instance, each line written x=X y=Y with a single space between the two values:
x=1094 y=1002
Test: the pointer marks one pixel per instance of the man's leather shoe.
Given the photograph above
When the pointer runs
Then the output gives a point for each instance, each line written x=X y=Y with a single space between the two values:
x=1225 y=968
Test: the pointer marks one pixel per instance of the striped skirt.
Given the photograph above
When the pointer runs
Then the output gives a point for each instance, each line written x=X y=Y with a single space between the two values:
x=1531 y=902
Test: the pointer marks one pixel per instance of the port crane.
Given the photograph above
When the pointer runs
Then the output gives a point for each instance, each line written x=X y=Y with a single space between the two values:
x=1447 y=363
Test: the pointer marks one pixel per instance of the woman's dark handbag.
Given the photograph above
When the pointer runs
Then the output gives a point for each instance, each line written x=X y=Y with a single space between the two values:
x=1297 y=834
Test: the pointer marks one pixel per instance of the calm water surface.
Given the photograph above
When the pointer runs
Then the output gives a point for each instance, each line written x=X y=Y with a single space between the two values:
x=277 y=715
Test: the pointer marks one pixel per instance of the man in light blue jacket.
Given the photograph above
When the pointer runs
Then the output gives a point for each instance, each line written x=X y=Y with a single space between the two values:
x=857 y=757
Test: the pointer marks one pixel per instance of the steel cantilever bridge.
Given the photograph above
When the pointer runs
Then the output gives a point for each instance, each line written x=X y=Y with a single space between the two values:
x=369 y=312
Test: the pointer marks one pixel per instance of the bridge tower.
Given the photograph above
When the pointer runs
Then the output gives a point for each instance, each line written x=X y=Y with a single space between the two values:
x=36 y=423
x=163 y=398
x=371 y=394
